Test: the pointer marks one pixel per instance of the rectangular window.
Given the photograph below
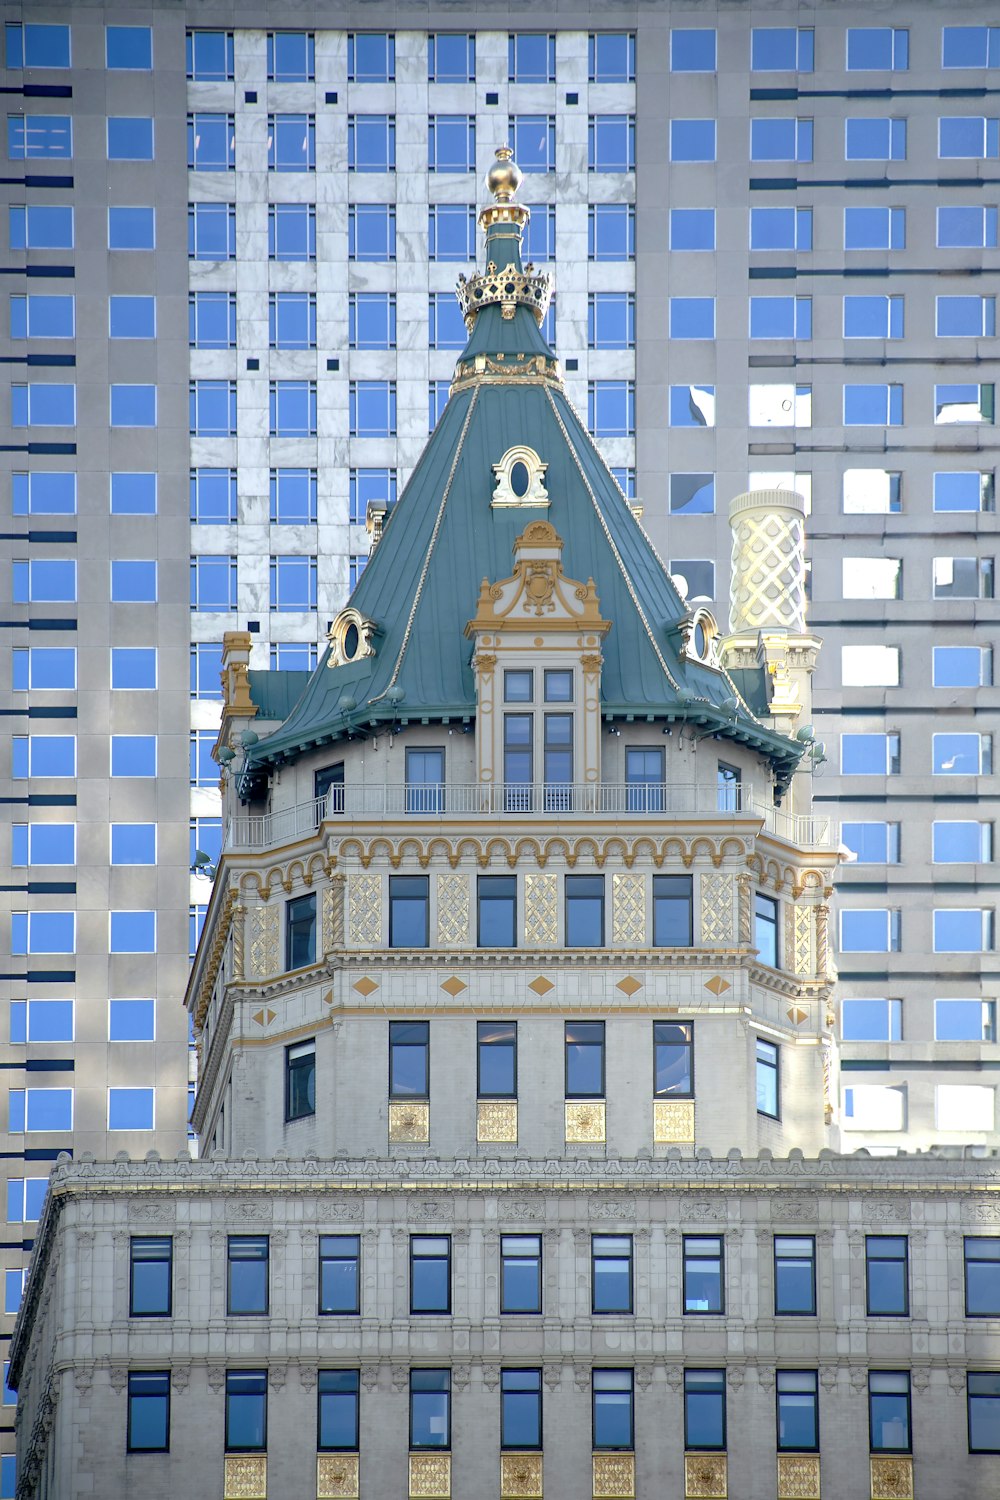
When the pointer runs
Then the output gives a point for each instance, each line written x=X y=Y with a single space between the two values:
x=971 y=226
x=40 y=227
x=673 y=911
x=451 y=232
x=133 y=755
x=703 y=1274
x=692 y=50
x=213 y=496
x=704 y=1410
x=970 y=46
x=584 y=1047
x=611 y=57
x=293 y=502
x=871 y=577
x=886 y=1276
x=373 y=408
x=781 y=140
x=877 y=49
x=520 y=1273
x=148 y=1411
x=291 y=231
x=338 y=1397
x=43 y=405
x=533 y=138
x=42 y=932
x=962 y=842
x=875 y=228
x=340 y=1274
x=692 y=229
x=870 y=930
x=983 y=1411
x=430 y=1273
x=371 y=143
x=611 y=320
x=728 y=788
x=613 y=1423
x=212 y=233
x=291 y=56
x=963 y=403
x=962 y=754
x=963 y=930
x=962 y=666
x=969 y=490
x=300 y=1080
x=213 y=583
x=446 y=325
x=151 y=1276
x=644 y=779
x=246 y=1285
x=430 y=1409
x=36 y=46
x=40 y=1110
x=610 y=143
x=794 y=1276
x=206 y=668
x=26 y=1199
x=869 y=754
x=611 y=1273
x=531 y=57
x=293 y=584
x=872 y=139
x=39 y=137
x=132 y=317
x=291 y=143
x=451 y=58
x=409 y=1048
x=693 y=140
x=371 y=57
x=211 y=142
x=766 y=929
x=781 y=317
x=692 y=494
x=246 y=1411
x=611 y=407
x=133 y=843
x=130 y=138
x=425 y=784
x=44 y=668
x=212 y=408
x=782 y=49
x=768 y=1080
x=368 y=486
x=870 y=666
x=133 y=406
x=982 y=1276
x=44 y=580
x=584 y=911
x=889 y=1411
x=497 y=911
x=210 y=56
x=43 y=1020
x=409 y=911
x=300 y=931
x=673 y=1059
x=968 y=138
x=39 y=494
x=965 y=1020
x=133 y=931
x=873 y=317
x=131 y=1020
x=873 y=405
x=521 y=1409
x=871 y=1020
x=293 y=408
x=539 y=246
x=292 y=320
x=965 y=317
x=497 y=1058
x=798 y=1411
x=779 y=405
x=781 y=229
x=692 y=317
x=611 y=231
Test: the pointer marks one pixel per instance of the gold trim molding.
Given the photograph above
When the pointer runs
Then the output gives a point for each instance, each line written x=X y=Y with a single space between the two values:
x=798 y=1477
x=586 y=1123
x=496 y=1121
x=337 y=1476
x=673 y=1122
x=245 y=1477
x=614 y=1476
x=520 y=1476
x=705 y=1476
x=892 y=1478
x=409 y=1123
x=430 y=1476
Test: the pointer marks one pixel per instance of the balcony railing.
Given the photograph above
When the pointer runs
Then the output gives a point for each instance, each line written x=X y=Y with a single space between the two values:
x=457 y=802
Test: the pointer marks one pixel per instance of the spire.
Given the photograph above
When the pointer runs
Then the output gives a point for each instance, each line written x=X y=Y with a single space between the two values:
x=505 y=282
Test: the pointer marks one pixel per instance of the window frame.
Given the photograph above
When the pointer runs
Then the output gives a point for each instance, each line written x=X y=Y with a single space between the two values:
x=510 y=1045
x=901 y=1264
x=599 y=1040
x=300 y=1058
x=506 y=1311
x=327 y=1256
x=994 y=1260
x=719 y=1257
x=136 y=1378
x=260 y=1243
x=166 y=1259
x=301 y=921
x=777 y=1259
x=600 y=1252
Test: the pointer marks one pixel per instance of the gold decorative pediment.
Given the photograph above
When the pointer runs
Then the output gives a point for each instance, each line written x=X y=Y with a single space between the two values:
x=538 y=591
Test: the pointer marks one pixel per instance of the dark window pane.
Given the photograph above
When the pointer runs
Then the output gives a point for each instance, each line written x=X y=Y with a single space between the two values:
x=497 y=911
x=151 y=1264
x=798 y=1410
x=885 y=1257
x=703 y=1291
x=704 y=1409
x=338 y=1409
x=611 y=1272
x=794 y=1274
x=673 y=905
x=300 y=931
x=520 y=1273
x=497 y=1059
x=408 y=1049
x=982 y=1277
x=521 y=1409
x=612 y=1408
x=339 y=1273
x=584 y=911
x=430 y=1409
x=148 y=1411
x=430 y=1273
x=673 y=1059
x=300 y=1080
x=248 y=1256
x=408 y=911
x=246 y=1410
x=585 y=1060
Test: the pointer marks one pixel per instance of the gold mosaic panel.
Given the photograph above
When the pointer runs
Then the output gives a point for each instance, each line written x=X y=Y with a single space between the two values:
x=892 y=1478
x=614 y=1476
x=805 y=961
x=409 y=1124
x=717 y=910
x=333 y=916
x=798 y=1477
x=585 y=1123
x=496 y=1120
x=628 y=920
x=245 y=1477
x=520 y=1476
x=263 y=940
x=541 y=910
x=673 y=1121
x=453 y=911
x=365 y=911
x=430 y=1476
x=337 y=1476
x=705 y=1476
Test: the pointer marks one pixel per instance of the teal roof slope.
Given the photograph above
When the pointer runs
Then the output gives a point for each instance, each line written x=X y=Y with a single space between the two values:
x=443 y=538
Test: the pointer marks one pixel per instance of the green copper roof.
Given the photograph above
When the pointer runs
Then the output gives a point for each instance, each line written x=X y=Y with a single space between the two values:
x=442 y=538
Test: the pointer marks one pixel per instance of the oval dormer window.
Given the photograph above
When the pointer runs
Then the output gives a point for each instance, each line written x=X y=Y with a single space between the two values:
x=700 y=641
x=520 y=479
x=352 y=641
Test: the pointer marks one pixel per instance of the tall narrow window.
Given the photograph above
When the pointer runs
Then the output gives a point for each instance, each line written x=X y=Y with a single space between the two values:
x=409 y=919
x=558 y=762
x=148 y=1411
x=767 y=1079
x=612 y=1410
x=246 y=1411
x=424 y=781
x=673 y=1059
x=673 y=911
x=300 y=1080
x=497 y=911
x=584 y=1059
x=300 y=931
x=584 y=911
x=430 y=1409
x=704 y=1410
x=644 y=779
x=150 y=1276
x=729 y=788
x=521 y=1409
x=340 y=1274
x=518 y=759
x=409 y=1047
x=430 y=1273
x=889 y=1411
x=982 y=1276
x=520 y=1273
x=886 y=1276
x=766 y=929
x=703 y=1284
x=497 y=1043
x=338 y=1411
x=611 y=1273
x=797 y=1411
x=246 y=1294
x=794 y=1275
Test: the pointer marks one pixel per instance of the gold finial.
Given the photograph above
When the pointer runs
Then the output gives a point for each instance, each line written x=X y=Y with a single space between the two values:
x=505 y=176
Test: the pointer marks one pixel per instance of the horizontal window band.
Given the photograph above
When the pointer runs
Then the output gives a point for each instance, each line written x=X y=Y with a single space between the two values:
x=884 y=184
x=36 y=180
x=796 y=93
x=38 y=271
x=897 y=1065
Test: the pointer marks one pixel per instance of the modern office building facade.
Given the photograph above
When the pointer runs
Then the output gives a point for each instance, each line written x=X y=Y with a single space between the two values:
x=802 y=212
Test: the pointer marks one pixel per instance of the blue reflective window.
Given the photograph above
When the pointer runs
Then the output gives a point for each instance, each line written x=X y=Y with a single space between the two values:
x=873 y=317
x=37 y=46
x=521 y=1409
x=610 y=143
x=293 y=496
x=868 y=139
x=131 y=1109
x=133 y=494
x=965 y=317
x=40 y=1110
x=877 y=49
x=437 y=400
x=204 y=771
x=212 y=408
x=691 y=406
x=692 y=317
x=367 y=486
x=130 y=138
x=371 y=143
x=292 y=320
x=41 y=227
x=611 y=320
x=42 y=932
x=869 y=754
x=39 y=137
x=206 y=667
x=612 y=1417
x=372 y=320
x=961 y=754
x=133 y=931
x=41 y=494
x=971 y=137
x=128 y=48
x=692 y=50
x=133 y=406
x=962 y=666
x=371 y=57
x=44 y=580
x=131 y=228
x=212 y=320
x=970 y=46
x=212 y=231
x=611 y=408
x=446 y=324
x=133 y=755
x=43 y=844
x=968 y=930
x=531 y=57
x=692 y=229
x=293 y=656
x=962 y=843
x=871 y=1020
x=692 y=140
x=133 y=843
x=781 y=140
x=43 y=755
x=451 y=143
x=371 y=232
x=291 y=143
x=972 y=226
x=451 y=231
x=246 y=1411
x=873 y=405
x=611 y=231
x=133 y=667
x=132 y=317
x=293 y=408
x=782 y=49
x=869 y=930
x=50 y=668
x=210 y=56
x=451 y=58
x=781 y=317
x=213 y=583
x=875 y=228
x=291 y=56
x=211 y=142
x=43 y=405
x=205 y=836
x=539 y=241
x=291 y=231
x=964 y=403
x=293 y=583
x=964 y=1021
x=430 y=1408
x=704 y=1409
x=781 y=229
x=338 y=1410
x=872 y=843
x=611 y=57
x=373 y=408
x=133 y=581
x=25 y=1199
x=39 y=316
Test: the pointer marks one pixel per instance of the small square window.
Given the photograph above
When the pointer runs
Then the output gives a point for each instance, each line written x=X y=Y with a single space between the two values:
x=131 y=1109
x=130 y=138
x=692 y=50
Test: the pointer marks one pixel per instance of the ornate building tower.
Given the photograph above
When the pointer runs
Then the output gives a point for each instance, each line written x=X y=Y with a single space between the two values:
x=514 y=1012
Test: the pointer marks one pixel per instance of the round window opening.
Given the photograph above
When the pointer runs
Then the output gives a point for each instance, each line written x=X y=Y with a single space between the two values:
x=352 y=641
x=700 y=641
x=520 y=479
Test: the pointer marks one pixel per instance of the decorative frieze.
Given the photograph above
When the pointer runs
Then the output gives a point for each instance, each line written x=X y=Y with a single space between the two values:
x=496 y=1121
x=717 y=910
x=705 y=1476
x=892 y=1478
x=337 y=1476
x=430 y=1476
x=798 y=1476
x=673 y=1122
x=520 y=1476
x=586 y=1123
x=245 y=1476
x=264 y=957
x=614 y=1476
x=409 y=1123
